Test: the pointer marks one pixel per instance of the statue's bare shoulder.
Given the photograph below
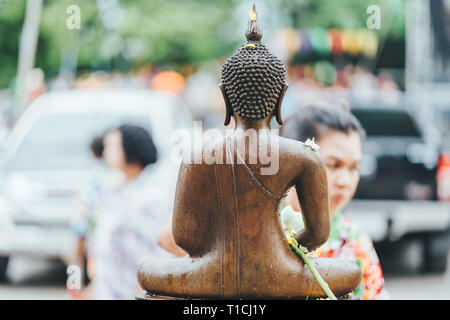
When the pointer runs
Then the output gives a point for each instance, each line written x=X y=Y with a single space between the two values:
x=299 y=154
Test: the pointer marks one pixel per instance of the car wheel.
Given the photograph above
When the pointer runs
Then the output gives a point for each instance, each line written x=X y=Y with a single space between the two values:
x=436 y=252
x=3 y=267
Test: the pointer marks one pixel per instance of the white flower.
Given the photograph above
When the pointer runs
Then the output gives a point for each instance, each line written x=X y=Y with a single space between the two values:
x=291 y=221
x=310 y=143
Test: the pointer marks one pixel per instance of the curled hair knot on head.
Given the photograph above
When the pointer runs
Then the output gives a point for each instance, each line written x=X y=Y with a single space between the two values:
x=253 y=79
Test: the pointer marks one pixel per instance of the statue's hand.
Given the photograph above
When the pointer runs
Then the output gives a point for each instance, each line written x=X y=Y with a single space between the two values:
x=306 y=240
x=292 y=222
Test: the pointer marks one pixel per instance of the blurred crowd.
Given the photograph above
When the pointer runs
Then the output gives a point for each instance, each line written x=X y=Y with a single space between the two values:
x=198 y=87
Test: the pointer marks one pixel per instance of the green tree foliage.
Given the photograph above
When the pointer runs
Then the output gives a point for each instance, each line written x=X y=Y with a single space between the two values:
x=55 y=39
x=11 y=17
x=178 y=31
x=345 y=14
x=164 y=32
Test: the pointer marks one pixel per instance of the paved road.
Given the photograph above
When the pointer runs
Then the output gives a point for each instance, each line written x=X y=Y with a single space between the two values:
x=34 y=279
x=41 y=280
x=419 y=287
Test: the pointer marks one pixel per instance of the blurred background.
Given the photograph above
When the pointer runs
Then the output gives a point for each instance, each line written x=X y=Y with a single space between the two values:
x=69 y=73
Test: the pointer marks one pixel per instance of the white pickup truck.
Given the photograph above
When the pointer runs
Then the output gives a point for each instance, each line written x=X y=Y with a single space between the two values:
x=46 y=161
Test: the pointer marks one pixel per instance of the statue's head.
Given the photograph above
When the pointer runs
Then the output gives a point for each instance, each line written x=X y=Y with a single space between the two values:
x=253 y=79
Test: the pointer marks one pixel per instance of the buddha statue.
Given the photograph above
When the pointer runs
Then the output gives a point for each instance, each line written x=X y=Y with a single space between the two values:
x=226 y=214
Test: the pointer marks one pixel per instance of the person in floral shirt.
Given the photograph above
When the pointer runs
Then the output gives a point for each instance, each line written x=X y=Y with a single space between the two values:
x=339 y=136
x=347 y=240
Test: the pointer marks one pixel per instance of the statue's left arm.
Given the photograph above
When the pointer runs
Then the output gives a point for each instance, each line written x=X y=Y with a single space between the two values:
x=312 y=191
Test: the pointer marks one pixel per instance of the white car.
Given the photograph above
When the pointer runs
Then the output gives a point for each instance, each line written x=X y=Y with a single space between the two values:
x=46 y=161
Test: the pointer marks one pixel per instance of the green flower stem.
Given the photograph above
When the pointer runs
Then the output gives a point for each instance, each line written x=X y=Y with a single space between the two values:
x=313 y=269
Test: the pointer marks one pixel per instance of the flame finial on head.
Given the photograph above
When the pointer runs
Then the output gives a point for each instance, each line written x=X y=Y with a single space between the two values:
x=253 y=14
x=254 y=32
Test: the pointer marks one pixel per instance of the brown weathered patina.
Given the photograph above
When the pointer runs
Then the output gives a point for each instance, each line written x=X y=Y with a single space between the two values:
x=226 y=215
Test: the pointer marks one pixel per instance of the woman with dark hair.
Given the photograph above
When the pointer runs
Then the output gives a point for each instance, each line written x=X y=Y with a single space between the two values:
x=131 y=212
x=339 y=135
x=129 y=149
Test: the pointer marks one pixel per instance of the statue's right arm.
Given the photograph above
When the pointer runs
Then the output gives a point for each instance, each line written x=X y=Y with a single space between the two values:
x=194 y=202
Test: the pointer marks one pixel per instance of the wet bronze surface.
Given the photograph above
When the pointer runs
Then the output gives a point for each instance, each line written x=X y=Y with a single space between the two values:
x=226 y=215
